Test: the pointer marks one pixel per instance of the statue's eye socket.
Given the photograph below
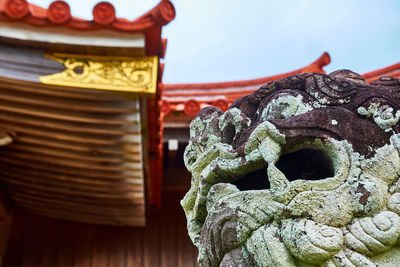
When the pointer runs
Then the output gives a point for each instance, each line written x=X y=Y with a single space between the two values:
x=256 y=180
x=306 y=164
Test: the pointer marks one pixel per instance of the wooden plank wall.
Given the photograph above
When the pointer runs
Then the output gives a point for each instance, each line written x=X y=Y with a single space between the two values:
x=40 y=241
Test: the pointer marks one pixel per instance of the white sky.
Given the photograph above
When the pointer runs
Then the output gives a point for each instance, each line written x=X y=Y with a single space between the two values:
x=223 y=40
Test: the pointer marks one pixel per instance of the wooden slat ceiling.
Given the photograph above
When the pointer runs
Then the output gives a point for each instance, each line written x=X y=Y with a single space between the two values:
x=77 y=153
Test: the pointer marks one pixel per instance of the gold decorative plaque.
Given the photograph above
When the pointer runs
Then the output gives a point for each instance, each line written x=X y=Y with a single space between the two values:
x=127 y=74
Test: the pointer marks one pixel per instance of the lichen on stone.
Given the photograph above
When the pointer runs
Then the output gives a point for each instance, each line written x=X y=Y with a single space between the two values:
x=383 y=115
x=303 y=172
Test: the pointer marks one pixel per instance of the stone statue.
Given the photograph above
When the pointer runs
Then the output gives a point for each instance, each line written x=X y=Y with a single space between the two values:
x=302 y=172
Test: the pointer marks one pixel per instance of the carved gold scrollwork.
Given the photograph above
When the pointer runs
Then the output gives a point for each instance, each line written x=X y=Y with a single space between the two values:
x=125 y=74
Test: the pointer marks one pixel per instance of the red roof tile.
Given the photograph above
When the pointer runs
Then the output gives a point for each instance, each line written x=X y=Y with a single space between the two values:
x=58 y=13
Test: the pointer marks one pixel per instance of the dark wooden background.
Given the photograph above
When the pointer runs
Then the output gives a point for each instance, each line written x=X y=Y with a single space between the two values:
x=41 y=241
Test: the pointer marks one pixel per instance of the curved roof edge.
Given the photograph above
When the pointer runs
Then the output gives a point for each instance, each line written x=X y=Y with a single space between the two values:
x=316 y=66
x=104 y=16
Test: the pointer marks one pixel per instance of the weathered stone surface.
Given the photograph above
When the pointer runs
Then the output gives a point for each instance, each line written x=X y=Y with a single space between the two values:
x=302 y=172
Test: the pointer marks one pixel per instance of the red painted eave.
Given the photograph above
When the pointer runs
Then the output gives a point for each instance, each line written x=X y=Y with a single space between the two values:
x=58 y=13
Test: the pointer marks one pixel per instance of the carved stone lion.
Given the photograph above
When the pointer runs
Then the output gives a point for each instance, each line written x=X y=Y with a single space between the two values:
x=302 y=172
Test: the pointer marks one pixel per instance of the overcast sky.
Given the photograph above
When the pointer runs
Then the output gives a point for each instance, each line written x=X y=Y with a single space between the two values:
x=223 y=40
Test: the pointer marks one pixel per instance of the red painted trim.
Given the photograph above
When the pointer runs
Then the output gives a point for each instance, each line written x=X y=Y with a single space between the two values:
x=163 y=47
x=155 y=136
x=393 y=74
x=211 y=92
x=165 y=107
x=153 y=39
x=382 y=72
